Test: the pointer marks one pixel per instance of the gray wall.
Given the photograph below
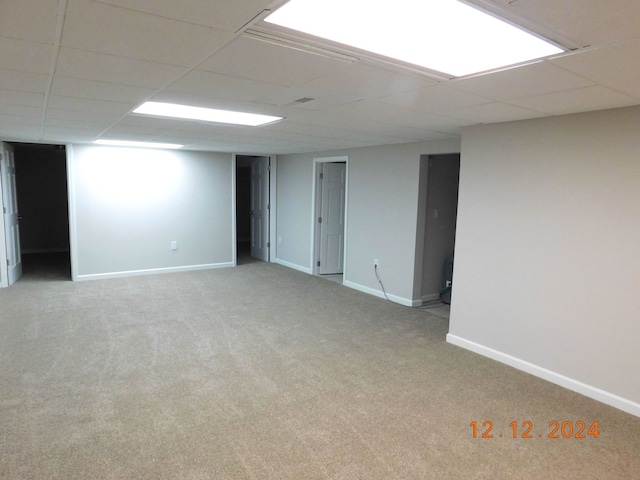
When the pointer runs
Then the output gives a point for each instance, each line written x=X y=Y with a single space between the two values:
x=128 y=205
x=294 y=202
x=382 y=215
x=547 y=269
x=41 y=182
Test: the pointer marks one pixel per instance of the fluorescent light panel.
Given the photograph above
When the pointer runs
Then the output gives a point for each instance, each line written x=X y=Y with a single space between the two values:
x=188 y=112
x=127 y=143
x=443 y=35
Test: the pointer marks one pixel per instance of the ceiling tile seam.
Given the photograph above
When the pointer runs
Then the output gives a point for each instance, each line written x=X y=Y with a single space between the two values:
x=60 y=19
x=577 y=89
x=596 y=82
x=84 y=99
x=442 y=113
x=187 y=71
x=144 y=12
x=391 y=122
x=593 y=82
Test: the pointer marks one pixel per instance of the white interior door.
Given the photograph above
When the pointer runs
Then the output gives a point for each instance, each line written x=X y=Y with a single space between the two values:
x=12 y=259
x=331 y=218
x=260 y=208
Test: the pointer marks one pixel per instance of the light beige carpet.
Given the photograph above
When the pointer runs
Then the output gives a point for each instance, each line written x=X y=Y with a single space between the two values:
x=261 y=372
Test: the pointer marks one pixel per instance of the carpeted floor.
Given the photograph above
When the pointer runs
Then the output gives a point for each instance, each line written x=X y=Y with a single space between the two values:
x=262 y=372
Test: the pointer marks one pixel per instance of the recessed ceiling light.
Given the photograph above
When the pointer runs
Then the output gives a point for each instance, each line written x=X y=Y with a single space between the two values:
x=188 y=112
x=127 y=143
x=447 y=36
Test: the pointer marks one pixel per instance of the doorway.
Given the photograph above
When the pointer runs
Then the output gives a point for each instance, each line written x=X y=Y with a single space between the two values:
x=330 y=200
x=41 y=197
x=253 y=208
x=440 y=227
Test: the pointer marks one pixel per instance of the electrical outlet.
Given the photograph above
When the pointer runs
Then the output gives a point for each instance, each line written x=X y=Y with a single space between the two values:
x=375 y=263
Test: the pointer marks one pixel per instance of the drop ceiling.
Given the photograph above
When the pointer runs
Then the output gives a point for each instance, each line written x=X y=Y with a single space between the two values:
x=72 y=71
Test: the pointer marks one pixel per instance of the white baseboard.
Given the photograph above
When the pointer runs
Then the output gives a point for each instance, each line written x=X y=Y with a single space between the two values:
x=152 y=271
x=378 y=293
x=294 y=266
x=587 y=390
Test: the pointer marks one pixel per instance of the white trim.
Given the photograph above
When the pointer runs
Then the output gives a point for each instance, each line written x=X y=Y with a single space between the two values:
x=234 y=233
x=273 y=195
x=300 y=268
x=587 y=390
x=154 y=271
x=4 y=271
x=316 y=209
x=377 y=293
x=73 y=227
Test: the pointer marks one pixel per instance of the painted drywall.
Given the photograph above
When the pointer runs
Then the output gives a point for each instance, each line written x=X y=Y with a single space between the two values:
x=440 y=226
x=293 y=233
x=128 y=205
x=41 y=182
x=547 y=266
x=382 y=215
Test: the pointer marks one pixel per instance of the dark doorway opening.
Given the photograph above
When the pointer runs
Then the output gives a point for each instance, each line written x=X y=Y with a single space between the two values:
x=43 y=203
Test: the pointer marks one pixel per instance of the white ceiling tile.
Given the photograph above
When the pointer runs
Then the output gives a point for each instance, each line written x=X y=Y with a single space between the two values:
x=616 y=66
x=368 y=82
x=211 y=13
x=71 y=134
x=157 y=124
x=34 y=20
x=13 y=130
x=63 y=117
x=111 y=69
x=355 y=104
x=121 y=32
x=34 y=112
x=25 y=56
x=128 y=132
x=434 y=99
x=370 y=126
x=322 y=99
x=493 y=113
x=580 y=100
x=368 y=109
x=596 y=22
x=91 y=89
x=13 y=97
x=332 y=133
x=534 y=79
x=266 y=62
x=23 y=81
x=214 y=85
x=84 y=105
x=28 y=117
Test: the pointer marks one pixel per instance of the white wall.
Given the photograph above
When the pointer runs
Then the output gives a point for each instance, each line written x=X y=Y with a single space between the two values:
x=382 y=214
x=547 y=271
x=127 y=205
x=294 y=211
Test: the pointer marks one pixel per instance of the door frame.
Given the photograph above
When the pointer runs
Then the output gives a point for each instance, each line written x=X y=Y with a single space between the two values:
x=4 y=271
x=271 y=251
x=315 y=196
x=7 y=150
